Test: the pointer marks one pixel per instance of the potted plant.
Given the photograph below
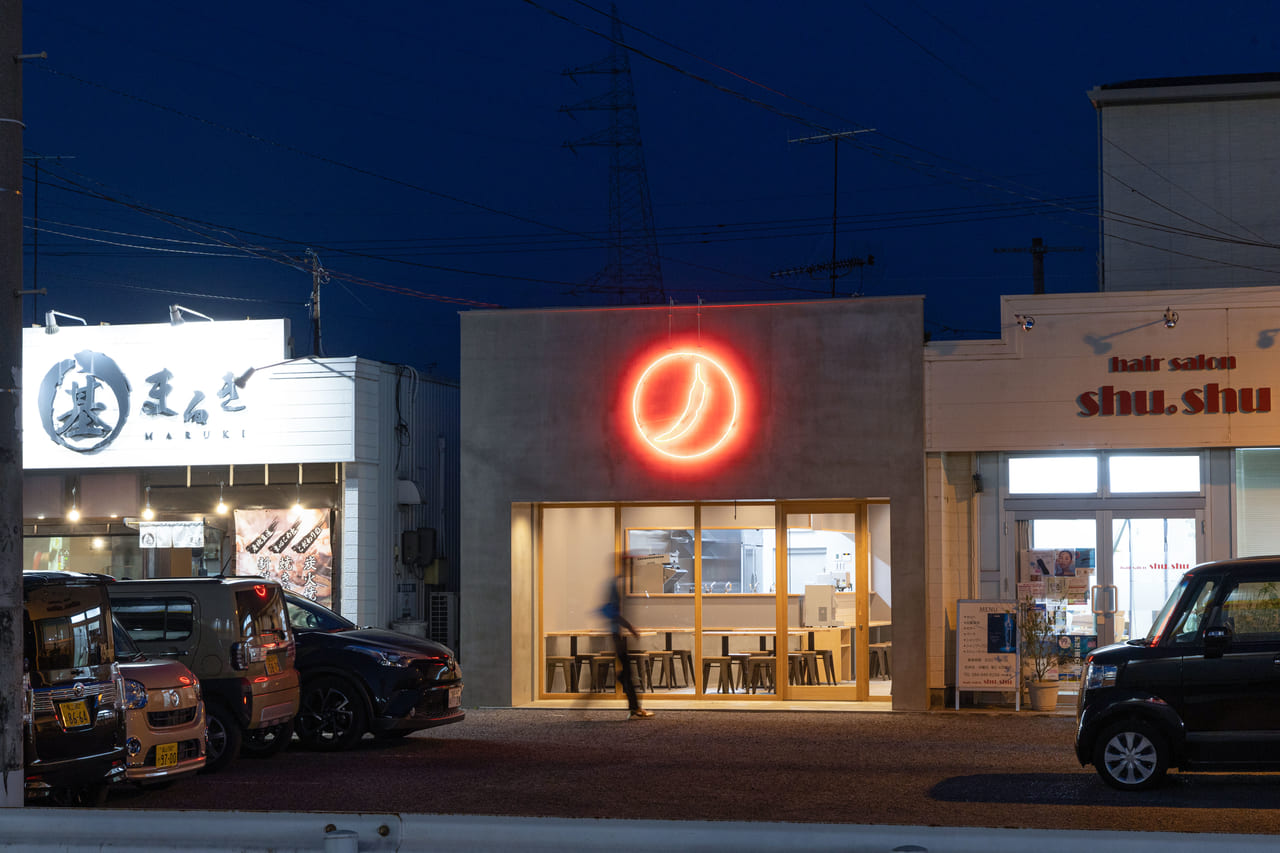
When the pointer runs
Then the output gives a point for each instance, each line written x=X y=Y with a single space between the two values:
x=1039 y=654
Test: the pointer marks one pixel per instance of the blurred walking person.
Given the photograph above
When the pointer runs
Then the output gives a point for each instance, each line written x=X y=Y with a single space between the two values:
x=618 y=624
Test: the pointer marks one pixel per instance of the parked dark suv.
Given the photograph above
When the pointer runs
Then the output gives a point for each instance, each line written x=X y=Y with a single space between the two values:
x=1200 y=692
x=233 y=634
x=357 y=680
x=72 y=695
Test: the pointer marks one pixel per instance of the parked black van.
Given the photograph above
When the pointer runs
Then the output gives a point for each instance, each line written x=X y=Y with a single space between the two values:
x=72 y=715
x=1200 y=692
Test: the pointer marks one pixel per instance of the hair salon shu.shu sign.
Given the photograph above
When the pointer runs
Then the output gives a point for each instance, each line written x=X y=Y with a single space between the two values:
x=1209 y=398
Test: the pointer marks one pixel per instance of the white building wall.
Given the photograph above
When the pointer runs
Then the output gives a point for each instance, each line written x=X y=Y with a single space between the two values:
x=1190 y=174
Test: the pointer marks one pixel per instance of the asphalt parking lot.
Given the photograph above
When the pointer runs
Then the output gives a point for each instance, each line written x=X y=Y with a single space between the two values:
x=943 y=768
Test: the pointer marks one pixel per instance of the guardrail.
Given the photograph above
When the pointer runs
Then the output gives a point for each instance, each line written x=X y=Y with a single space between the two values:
x=84 y=830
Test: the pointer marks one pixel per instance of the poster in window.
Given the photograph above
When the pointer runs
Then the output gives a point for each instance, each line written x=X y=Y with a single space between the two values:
x=293 y=548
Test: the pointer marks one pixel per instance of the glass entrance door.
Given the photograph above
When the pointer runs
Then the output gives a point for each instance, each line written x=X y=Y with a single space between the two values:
x=1112 y=592
x=1148 y=557
x=827 y=647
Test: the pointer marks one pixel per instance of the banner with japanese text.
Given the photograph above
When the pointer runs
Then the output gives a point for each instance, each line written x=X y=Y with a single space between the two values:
x=294 y=548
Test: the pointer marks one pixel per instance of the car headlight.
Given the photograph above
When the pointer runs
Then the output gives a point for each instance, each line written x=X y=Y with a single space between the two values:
x=1099 y=675
x=135 y=695
x=385 y=657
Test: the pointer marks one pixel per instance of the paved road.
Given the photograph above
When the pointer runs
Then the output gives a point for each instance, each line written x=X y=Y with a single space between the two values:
x=937 y=769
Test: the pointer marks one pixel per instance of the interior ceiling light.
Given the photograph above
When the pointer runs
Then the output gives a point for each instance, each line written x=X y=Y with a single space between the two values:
x=1170 y=318
x=73 y=514
x=222 y=506
x=1026 y=321
x=147 y=512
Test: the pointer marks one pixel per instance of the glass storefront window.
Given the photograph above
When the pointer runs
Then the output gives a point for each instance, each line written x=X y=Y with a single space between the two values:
x=702 y=586
x=1153 y=473
x=117 y=556
x=1257 y=501
x=1053 y=475
x=739 y=549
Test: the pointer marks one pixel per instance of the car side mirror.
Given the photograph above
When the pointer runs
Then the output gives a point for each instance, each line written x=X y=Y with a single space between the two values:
x=1216 y=640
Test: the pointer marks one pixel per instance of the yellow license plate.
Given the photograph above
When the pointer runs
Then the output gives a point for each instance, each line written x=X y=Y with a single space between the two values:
x=273 y=664
x=166 y=755
x=74 y=714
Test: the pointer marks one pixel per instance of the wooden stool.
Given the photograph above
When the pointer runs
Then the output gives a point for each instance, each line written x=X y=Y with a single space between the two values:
x=584 y=662
x=685 y=656
x=602 y=666
x=738 y=661
x=642 y=671
x=760 y=673
x=724 y=674
x=795 y=667
x=880 y=660
x=662 y=666
x=565 y=666
x=810 y=666
x=828 y=664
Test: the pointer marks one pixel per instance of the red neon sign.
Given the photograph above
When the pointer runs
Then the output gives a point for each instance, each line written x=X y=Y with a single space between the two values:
x=686 y=405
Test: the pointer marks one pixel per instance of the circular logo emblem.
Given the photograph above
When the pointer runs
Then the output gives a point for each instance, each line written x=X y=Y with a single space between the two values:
x=78 y=690
x=685 y=405
x=84 y=402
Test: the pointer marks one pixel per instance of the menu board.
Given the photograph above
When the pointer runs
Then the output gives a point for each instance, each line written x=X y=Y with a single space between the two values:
x=986 y=646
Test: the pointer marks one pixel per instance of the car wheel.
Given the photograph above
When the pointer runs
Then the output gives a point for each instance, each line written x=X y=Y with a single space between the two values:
x=1131 y=755
x=331 y=714
x=267 y=741
x=222 y=737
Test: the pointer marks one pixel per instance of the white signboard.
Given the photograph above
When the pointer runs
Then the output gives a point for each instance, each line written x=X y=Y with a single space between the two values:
x=986 y=646
x=170 y=534
x=199 y=393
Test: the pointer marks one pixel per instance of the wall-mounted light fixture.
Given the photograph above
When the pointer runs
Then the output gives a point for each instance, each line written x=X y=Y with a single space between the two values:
x=1170 y=318
x=222 y=505
x=176 y=312
x=73 y=514
x=1026 y=321
x=51 y=322
x=147 y=512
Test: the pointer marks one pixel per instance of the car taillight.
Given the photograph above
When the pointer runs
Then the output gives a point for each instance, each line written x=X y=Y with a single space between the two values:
x=239 y=659
x=119 y=680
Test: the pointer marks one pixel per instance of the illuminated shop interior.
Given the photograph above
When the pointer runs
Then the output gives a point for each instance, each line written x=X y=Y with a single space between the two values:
x=754 y=601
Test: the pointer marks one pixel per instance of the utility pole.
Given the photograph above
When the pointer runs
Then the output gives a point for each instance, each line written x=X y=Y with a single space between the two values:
x=319 y=276
x=11 y=728
x=1037 y=250
x=835 y=185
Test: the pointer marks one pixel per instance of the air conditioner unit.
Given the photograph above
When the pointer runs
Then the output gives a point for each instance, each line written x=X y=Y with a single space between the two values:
x=442 y=618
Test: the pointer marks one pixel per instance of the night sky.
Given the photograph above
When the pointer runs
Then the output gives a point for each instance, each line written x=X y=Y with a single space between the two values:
x=193 y=154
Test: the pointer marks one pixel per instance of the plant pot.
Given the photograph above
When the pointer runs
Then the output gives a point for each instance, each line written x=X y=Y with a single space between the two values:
x=1044 y=695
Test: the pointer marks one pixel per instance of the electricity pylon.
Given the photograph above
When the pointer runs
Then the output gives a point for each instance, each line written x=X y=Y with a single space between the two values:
x=633 y=270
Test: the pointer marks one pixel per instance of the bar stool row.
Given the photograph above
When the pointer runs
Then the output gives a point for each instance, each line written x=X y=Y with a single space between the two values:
x=660 y=669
